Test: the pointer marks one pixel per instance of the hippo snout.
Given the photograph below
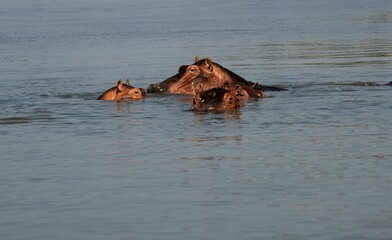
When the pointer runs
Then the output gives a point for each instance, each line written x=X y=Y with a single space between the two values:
x=156 y=88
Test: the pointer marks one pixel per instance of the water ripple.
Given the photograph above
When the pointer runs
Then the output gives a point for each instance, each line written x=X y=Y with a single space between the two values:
x=15 y=120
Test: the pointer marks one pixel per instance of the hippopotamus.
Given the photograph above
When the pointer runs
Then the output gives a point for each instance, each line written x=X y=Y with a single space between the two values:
x=203 y=83
x=193 y=75
x=223 y=75
x=122 y=92
x=216 y=77
x=216 y=99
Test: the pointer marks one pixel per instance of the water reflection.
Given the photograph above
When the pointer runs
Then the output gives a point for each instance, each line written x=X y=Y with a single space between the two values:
x=217 y=116
x=209 y=138
x=210 y=158
x=122 y=106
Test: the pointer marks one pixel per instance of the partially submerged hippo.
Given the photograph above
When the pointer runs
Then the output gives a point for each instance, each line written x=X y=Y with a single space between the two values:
x=223 y=75
x=213 y=74
x=216 y=99
x=196 y=74
x=122 y=92
x=203 y=83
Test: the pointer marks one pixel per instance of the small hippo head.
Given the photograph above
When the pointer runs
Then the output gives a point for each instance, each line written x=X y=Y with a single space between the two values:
x=122 y=92
x=135 y=93
x=216 y=99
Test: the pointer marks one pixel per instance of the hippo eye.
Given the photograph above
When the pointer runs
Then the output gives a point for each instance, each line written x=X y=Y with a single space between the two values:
x=192 y=70
x=136 y=92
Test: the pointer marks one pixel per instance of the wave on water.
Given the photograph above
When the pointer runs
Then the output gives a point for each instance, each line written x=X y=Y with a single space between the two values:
x=15 y=120
x=339 y=84
x=361 y=84
x=84 y=95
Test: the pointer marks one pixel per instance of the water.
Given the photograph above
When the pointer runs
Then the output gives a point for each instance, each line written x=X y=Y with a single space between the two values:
x=313 y=162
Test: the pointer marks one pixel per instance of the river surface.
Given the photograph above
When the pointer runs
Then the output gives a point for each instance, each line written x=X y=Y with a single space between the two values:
x=313 y=162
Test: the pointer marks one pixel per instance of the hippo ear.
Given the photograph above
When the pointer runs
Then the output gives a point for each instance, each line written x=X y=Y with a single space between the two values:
x=237 y=87
x=238 y=91
x=127 y=82
x=119 y=85
x=208 y=63
x=197 y=58
x=254 y=86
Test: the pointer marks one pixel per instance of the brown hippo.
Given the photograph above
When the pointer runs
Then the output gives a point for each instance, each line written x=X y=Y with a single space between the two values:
x=223 y=75
x=216 y=99
x=122 y=92
x=193 y=75
x=203 y=83
x=216 y=76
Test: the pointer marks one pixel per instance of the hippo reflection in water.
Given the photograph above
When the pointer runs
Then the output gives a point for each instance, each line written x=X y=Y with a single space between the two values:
x=216 y=99
x=122 y=92
x=215 y=76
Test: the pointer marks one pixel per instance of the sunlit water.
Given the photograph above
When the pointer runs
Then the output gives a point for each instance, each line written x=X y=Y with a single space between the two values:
x=313 y=162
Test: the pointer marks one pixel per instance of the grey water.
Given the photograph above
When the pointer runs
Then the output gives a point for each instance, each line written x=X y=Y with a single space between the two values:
x=313 y=162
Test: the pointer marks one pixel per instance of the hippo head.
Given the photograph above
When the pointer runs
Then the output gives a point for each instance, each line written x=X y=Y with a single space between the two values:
x=168 y=84
x=220 y=77
x=200 y=72
x=135 y=93
x=122 y=92
x=216 y=99
x=179 y=83
x=184 y=84
x=126 y=91
x=210 y=69
x=243 y=91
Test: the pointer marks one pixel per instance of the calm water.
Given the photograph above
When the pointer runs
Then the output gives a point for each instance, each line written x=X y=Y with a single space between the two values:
x=314 y=162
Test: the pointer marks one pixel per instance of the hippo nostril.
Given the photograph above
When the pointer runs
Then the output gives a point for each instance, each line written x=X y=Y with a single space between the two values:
x=153 y=88
x=157 y=88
